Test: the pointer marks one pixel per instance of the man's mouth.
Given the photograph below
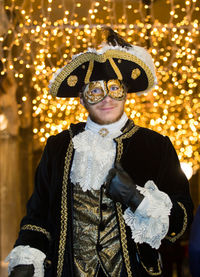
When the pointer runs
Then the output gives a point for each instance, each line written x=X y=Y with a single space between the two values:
x=107 y=108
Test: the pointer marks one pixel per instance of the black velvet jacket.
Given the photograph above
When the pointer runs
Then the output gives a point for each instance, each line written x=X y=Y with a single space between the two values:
x=48 y=225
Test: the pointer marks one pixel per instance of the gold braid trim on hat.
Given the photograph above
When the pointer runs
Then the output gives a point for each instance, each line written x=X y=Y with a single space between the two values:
x=109 y=54
x=89 y=71
x=116 y=69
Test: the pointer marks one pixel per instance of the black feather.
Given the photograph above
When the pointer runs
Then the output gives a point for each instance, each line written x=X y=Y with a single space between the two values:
x=114 y=38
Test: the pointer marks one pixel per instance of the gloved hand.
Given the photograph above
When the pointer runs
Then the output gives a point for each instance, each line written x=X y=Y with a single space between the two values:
x=22 y=271
x=121 y=188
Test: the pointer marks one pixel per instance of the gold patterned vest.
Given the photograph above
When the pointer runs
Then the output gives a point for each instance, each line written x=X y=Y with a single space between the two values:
x=96 y=235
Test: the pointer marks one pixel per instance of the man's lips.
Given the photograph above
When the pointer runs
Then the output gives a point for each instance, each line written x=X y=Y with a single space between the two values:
x=107 y=108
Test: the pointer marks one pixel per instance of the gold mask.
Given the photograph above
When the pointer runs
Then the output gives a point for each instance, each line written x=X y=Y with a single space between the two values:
x=96 y=91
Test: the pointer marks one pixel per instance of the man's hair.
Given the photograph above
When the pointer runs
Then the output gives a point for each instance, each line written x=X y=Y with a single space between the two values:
x=80 y=94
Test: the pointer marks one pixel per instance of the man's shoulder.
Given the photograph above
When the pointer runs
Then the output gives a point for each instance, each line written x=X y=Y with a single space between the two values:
x=68 y=133
x=58 y=141
x=146 y=135
x=149 y=132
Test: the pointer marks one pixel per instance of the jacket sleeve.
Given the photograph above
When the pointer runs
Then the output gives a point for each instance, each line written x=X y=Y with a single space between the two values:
x=173 y=181
x=35 y=227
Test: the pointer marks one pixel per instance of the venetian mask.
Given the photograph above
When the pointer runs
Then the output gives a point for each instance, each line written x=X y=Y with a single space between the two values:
x=96 y=91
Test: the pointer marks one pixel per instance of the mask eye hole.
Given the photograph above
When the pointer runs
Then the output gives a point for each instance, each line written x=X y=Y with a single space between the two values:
x=97 y=91
x=113 y=88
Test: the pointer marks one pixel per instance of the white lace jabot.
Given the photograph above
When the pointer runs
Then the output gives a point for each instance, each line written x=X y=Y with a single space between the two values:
x=95 y=152
x=113 y=129
x=94 y=156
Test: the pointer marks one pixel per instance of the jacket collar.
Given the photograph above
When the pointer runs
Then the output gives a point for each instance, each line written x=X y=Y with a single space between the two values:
x=75 y=129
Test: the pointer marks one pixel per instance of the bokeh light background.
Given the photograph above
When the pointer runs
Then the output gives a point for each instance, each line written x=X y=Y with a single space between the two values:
x=41 y=36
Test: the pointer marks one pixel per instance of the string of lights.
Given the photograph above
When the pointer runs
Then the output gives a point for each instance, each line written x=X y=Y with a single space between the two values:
x=43 y=35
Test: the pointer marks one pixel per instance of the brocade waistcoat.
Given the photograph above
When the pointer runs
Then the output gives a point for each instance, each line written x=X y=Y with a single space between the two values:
x=96 y=234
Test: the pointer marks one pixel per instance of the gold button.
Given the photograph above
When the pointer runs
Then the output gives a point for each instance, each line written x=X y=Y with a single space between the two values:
x=135 y=73
x=72 y=80
x=151 y=269
x=173 y=234
x=47 y=263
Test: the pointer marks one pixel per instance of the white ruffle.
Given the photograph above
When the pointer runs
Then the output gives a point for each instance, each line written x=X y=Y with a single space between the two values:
x=150 y=222
x=94 y=157
x=25 y=255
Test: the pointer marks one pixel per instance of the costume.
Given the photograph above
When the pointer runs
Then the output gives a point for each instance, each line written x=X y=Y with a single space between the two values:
x=71 y=218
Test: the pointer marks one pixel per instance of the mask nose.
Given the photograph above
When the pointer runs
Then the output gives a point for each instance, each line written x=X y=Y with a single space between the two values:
x=107 y=99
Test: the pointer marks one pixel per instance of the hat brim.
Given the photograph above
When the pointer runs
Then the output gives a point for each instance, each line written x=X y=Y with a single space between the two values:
x=112 y=64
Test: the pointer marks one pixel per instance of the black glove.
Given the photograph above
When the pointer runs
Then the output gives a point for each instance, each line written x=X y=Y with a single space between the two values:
x=121 y=188
x=22 y=271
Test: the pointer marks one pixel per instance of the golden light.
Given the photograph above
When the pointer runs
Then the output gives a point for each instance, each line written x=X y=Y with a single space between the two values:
x=45 y=38
x=187 y=169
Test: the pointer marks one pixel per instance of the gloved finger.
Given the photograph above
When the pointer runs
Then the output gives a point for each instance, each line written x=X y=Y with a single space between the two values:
x=111 y=174
x=22 y=271
x=121 y=172
x=118 y=166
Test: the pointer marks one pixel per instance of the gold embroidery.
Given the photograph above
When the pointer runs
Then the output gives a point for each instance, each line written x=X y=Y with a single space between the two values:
x=37 y=229
x=109 y=257
x=102 y=267
x=174 y=238
x=64 y=212
x=112 y=53
x=116 y=69
x=70 y=133
x=119 y=141
x=118 y=205
x=150 y=270
x=72 y=80
x=89 y=71
x=135 y=73
x=123 y=239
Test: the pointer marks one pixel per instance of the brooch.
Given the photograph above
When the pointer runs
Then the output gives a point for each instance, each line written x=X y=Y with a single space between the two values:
x=103 y=132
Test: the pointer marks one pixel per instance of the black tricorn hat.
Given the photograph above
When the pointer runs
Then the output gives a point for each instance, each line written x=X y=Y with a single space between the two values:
x=117 y=59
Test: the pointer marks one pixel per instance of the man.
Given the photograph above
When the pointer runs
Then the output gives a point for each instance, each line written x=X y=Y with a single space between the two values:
x=106 y=192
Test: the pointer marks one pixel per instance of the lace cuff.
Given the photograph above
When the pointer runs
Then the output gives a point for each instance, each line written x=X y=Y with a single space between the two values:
x=150 y=222
x=26 y=255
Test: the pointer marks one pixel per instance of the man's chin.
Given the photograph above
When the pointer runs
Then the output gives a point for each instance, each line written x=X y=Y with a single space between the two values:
x=106 y=120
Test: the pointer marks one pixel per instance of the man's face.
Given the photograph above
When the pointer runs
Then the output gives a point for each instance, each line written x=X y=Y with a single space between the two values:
x=110 y=108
